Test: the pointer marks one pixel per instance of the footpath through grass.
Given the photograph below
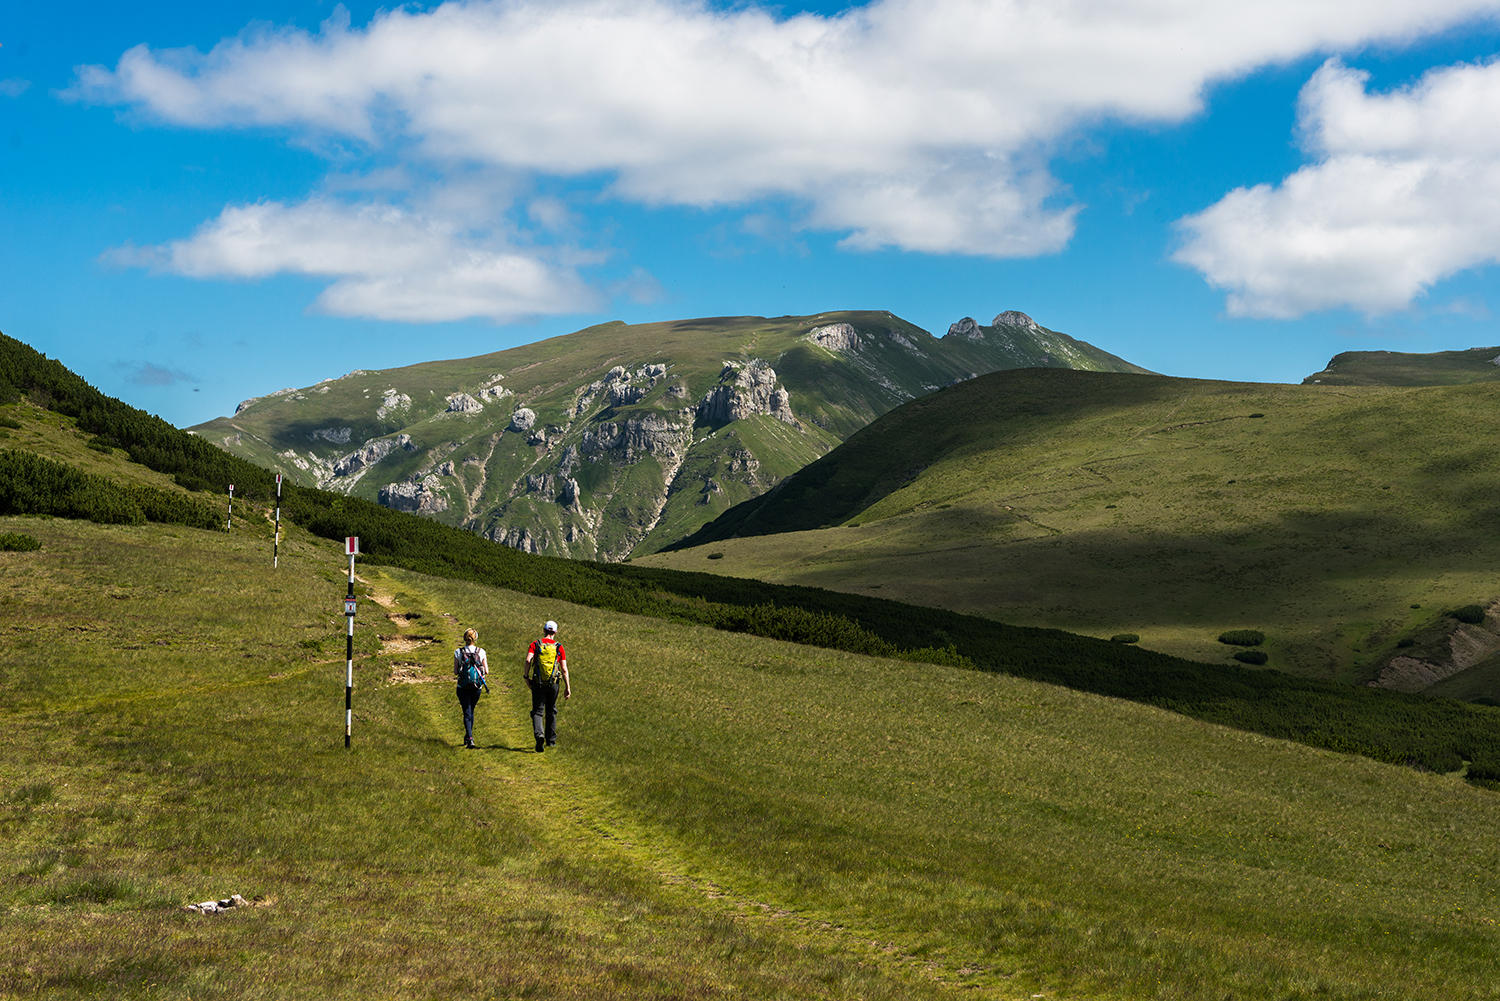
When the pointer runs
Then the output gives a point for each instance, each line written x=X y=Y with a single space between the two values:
x=726 y=816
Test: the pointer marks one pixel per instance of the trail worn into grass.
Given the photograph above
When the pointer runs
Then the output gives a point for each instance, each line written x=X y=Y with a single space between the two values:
x=579 y=818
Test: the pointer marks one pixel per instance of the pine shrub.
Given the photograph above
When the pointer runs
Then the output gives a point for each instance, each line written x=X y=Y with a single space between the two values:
x=1472 y=614
x=1124 y=638
x=14 y=542
x=1256 y=657
x=1243 y=637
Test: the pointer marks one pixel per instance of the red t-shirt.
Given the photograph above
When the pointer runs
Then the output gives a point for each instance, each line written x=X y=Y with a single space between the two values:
x=534 y=653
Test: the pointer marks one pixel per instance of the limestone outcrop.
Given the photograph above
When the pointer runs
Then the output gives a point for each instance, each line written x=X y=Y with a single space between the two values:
x=834 y=337
x=745 y=390
x=419 y=497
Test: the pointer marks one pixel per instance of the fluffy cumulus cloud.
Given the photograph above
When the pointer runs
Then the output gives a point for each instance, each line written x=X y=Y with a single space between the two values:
x=1404 y=191
x=387 y=263
x=917 y=124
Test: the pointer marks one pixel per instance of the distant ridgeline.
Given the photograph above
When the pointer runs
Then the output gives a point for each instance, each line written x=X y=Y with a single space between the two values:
x=1388 y=726
x=616 y=440
x=1399 y=368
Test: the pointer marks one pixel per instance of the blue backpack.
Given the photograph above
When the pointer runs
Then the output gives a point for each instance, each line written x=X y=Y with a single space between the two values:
x=468 y=667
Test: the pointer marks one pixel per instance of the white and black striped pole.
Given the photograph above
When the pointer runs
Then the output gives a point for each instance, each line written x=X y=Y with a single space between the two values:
x=276 y=545
x=351 y=548
x=229 y=522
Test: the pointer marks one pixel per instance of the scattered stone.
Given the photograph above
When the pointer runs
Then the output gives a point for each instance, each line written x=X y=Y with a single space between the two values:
x=463 y=403
x=215 y=906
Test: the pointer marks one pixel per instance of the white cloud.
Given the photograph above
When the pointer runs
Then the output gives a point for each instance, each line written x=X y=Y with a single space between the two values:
x=387 y=263
x=1405 y=192
x=906 y=123
x=14 y=87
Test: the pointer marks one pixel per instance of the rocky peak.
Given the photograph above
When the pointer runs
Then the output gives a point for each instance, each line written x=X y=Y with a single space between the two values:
x=965 y=328
x=1015 y=318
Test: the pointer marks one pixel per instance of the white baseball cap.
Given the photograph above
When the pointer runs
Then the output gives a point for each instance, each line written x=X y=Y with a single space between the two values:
x=549 y=626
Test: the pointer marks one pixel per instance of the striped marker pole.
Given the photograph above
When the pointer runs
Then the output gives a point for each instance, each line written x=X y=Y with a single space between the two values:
x=229 y=523
x=351 y=548
x=276 y=545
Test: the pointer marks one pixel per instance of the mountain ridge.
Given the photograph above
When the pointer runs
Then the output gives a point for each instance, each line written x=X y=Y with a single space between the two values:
x=618 y=439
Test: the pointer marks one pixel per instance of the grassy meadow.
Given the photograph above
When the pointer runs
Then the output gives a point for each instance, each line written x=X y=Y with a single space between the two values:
x=1338 y=520
x=725 y=816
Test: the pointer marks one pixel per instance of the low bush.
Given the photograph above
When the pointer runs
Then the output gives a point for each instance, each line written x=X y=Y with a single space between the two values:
x=31 y=484
x=1256 y=657
x=10 y=422
x=1243 y=637
x=1472 y=614
x=716 y=556
x=1124 y=638
x=13 y=542
x=1405 y=642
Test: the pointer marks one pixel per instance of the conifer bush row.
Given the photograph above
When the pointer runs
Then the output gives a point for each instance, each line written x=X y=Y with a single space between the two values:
x=32 y=484
x=1242 y=637
x=1251 y=656
x=1472 y=614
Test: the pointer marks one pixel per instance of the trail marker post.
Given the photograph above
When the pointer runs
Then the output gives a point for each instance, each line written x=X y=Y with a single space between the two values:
x=276 y=545
x=351 y=549
x=229 y=522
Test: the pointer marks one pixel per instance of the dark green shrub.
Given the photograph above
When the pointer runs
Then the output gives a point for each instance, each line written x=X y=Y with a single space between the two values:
x=1257 y=415
x=1472 y=614
x=1251 y=656
x=11 y=542
x=1124 y=638
x=1243 y=637
x=1405 y=642
x=716 y=556
x=10 y=422
x=190 y=481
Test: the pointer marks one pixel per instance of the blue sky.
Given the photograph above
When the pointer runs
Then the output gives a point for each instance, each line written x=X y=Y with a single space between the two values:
x=203 y=203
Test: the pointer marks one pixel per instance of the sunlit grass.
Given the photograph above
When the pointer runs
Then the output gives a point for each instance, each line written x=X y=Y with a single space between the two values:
x=724 y=816
x=1103 y=504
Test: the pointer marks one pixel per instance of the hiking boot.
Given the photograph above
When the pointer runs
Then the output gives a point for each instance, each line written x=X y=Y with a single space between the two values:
x=541 y=745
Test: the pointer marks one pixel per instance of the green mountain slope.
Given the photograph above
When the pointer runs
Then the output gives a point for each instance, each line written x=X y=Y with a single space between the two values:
x=620 y=439
x=1343 y=523
x=1400 y=368
x=725 y=815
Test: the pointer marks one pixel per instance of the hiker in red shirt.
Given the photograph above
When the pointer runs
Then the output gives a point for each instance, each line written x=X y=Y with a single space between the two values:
x=546 y=667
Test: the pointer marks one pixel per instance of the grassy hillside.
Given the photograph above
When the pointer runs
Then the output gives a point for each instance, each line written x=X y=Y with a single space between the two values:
x=1402 y=368
x=1435 y=735
x=1341 y=522
x=623 y=452
x=726 y=816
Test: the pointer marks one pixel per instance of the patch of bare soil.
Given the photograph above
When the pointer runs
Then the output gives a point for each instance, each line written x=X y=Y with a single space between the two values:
x=409 y=672
x=1467 y=646
x=403 y=643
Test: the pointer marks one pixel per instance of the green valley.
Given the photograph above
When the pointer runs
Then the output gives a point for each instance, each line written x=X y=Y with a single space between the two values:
x=727 y=814
x=1343 y=522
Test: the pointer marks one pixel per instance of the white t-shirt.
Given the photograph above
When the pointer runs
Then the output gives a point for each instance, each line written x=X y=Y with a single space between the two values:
x=484 y=664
